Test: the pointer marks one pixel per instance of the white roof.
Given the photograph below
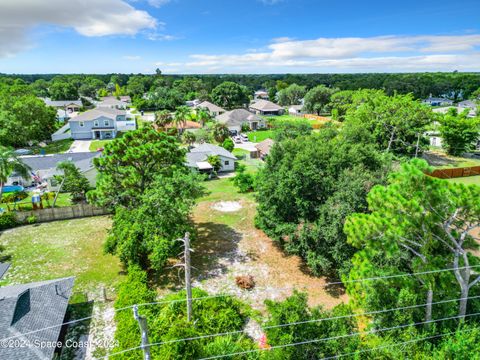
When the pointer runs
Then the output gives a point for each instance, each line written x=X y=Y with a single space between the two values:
x=203 y=165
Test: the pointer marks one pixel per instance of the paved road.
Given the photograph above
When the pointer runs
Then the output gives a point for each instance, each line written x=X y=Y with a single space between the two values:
x=79 y=146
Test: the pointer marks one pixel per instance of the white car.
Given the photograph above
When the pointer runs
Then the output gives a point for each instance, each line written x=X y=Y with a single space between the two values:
x=244 y=137
x=237 y=139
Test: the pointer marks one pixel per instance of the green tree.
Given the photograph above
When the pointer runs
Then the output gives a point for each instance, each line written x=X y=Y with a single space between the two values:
x=243 y=180
x=202 y=116
x=63 y=90
x=145 y=234
x=220 y=132
x=189 y=138
x=291 y=95
x=182 y=115
x=230 y=95
x=74 y=182
x=459 y=132
x=313 y=181
x=228 y=144
x=163 y=118
x=130 y=164
x=290 y=129
x=10 y=163
x=417 y=223
x=215 y=161
x=317 y=99
x=394 y=123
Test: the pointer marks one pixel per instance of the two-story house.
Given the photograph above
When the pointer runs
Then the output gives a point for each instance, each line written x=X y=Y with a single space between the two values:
x=100 y=123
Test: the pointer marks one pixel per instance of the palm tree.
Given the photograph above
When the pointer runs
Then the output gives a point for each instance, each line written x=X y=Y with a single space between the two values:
x=182 y=114
x=10 y=163
x=220 y=132
x=189 y=138
x=203 y=116
x=162 y=118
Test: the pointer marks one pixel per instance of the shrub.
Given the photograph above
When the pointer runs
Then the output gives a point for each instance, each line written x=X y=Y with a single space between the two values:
x=244 y=181
x=228 y=144
x=8 y=220
x=32 y=219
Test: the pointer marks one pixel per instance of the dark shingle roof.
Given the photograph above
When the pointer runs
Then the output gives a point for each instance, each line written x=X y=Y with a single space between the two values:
x=30 y=307
x=47 y=162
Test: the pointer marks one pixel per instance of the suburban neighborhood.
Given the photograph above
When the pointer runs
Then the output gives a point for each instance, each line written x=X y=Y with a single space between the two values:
x=176 y=183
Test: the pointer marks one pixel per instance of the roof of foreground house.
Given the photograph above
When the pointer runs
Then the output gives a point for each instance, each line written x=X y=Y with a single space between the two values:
x=201 y=153
x=237 y=117
x=30 y=307
x=99 y=112
x=265 y=105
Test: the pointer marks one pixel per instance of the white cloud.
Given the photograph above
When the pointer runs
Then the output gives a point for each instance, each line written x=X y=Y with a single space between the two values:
x=87 y=17
x=132 y=57
x=158 y=3
x=381 y=53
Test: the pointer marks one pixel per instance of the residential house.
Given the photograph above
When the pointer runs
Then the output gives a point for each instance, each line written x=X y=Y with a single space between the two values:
x=263 y=148
x=266 y=108
x=192 y=103
x=67 y=105
x=261 y=94
x=44 y=168
x=31 y=313
x=236 y=118
x=213 y=109
x=445 y=109
x=197 y=158
x=62 y=115
x=187 y=125
x=432 y=101
x=113 y=103
x=295 y=110
x=99 y=123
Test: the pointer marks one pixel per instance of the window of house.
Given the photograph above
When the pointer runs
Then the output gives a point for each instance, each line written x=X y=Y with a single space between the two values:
x=82 y=124
x=106 y=122
x=227 y=162
x=95 y=123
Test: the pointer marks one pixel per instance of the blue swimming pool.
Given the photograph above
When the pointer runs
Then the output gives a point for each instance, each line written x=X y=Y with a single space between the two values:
x=12 y=188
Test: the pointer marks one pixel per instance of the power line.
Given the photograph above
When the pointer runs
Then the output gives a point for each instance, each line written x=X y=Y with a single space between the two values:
x=264 y=289
x=398 y=344
x=293 y=324
x=336 y=337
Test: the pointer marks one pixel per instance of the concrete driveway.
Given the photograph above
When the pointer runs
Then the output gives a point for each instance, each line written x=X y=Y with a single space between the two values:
x=79 y=146
x=249 y=146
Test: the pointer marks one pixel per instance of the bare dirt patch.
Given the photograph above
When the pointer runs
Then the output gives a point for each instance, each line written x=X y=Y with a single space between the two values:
x=229 y=246
x=227 y=206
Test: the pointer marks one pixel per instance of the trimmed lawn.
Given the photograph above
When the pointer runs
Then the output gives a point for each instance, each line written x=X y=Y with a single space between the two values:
x=258 y=136
x=96 y=144
x=54 y=147
x=61 y=249
x=469 y=180
x=26 y=204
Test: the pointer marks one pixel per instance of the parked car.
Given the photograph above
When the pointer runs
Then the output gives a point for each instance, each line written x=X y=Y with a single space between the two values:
x=23 y=152
x=244 y=137
x=237 y=139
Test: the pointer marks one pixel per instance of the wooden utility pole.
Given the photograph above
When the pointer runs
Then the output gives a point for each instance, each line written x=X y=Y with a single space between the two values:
x=188 y=282
x=142 y=322
x=187 y=267
x=418 y=144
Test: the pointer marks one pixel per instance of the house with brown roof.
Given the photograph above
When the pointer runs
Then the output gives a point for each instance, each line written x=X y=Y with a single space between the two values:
x=263 y=148
x=213 y=109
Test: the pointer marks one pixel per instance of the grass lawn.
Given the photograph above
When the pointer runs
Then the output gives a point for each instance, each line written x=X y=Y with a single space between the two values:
x=60 y=249
x=96 y=144
x=440 y=160
x=26 y=204
x=54 y=147
x=469 y=180
x=258 y=136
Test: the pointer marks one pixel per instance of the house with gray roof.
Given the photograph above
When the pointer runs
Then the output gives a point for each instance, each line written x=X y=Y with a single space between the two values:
x=113 y=103
x=266 y=108
x=44 y=168
x=31 y=313
x=213 y=109
x=432 y=101
x=236 y=118
x=67 y=105
x=99 y=123
x=197 y=158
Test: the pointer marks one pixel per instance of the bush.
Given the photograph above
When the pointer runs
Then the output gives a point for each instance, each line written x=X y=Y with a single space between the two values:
x=32 y=219
x=244 y=181
x=8 y=220
x=228 y=144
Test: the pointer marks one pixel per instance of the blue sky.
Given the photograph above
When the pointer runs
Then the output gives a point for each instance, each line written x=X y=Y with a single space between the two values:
x=238 y=36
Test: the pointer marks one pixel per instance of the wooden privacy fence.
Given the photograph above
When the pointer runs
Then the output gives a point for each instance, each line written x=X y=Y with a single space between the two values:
x=451 y=173
x=61 y=213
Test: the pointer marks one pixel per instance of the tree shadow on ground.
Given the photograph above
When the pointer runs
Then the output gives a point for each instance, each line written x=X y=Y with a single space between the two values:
x=79 y=307
x=434 y=159
x=215 y=247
